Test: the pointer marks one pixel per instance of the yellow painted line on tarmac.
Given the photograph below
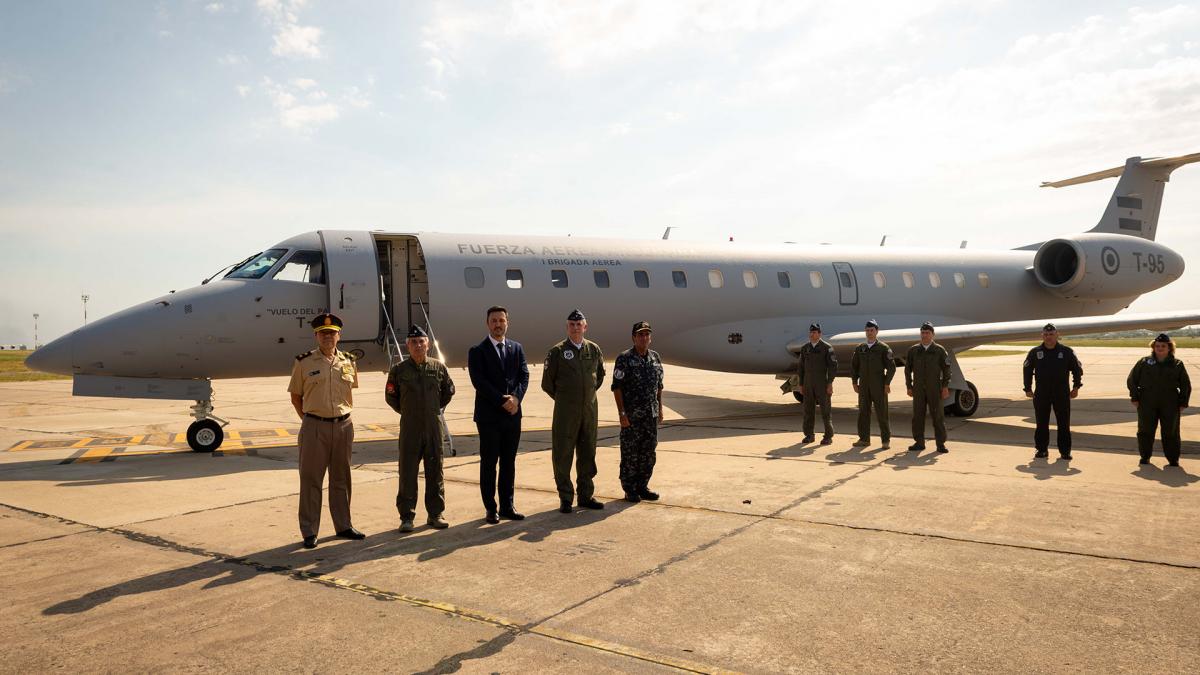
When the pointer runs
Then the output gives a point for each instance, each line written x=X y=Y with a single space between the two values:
x=282 y=432
x=81 y=442
x=93 y=455
x=20 y=446
x=234 y=435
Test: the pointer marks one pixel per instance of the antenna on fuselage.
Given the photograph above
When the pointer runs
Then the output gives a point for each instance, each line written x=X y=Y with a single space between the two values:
x=667 y=232
x=963 y=244
x=883 y=241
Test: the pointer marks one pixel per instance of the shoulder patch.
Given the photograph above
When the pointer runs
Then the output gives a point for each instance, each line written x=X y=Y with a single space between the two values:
x=301 y=357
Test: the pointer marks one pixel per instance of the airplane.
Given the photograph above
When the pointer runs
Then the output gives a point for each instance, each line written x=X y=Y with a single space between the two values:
x=718 y=306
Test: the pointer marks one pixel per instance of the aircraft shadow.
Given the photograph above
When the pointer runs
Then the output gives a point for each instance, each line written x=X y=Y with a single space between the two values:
x=293 y=560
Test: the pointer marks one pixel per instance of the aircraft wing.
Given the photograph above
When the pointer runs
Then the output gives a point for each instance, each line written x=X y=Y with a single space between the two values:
x=964 y=336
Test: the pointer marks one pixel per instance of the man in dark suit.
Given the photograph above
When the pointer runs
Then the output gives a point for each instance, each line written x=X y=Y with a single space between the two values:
x=501 y=376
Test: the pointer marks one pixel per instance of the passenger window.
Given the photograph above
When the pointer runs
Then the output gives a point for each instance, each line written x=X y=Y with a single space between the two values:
x=679 y=278
x=304 y=266
x=785 y=280
x=641 y=278
x=257 y=265
x=474 y=277
x=716 y=279
x=846 y=281
x=908 y=279
x=935 y=280
x=960 y=280
x=558 y=278
x=601 y=277
x=880 y=280
x=984 y=281
x=816 y=279
x=750 y=278
x=514 y=278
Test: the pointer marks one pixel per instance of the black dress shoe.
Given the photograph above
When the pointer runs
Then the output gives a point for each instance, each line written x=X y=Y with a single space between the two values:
x=1041 y=453
x=808 y=439
x=631 y=497
x=1066 y=456
x=916 y=446
x=492 y=518
x=512 y=515
x=1144 y=460
x=942 y=448
x=1172 y=463
x=564 y=507
x=351 y=533
x=310 y=541
x=646 y=494
x=590 y=504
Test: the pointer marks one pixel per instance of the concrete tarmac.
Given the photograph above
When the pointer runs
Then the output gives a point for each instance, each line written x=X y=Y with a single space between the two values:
x=124 y=551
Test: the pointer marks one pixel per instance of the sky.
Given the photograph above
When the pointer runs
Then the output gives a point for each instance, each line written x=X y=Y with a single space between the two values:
x=144 y=145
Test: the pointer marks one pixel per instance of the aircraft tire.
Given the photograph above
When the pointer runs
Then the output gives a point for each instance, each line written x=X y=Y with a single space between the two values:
x=965 y=401
x=205 y=436
x=799 y=397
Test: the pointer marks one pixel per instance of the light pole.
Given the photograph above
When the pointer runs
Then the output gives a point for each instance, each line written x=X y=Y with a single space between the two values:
x=85 y=299
x=35 y=340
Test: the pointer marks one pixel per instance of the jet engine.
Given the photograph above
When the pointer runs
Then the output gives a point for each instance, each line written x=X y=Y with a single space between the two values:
x=1104 y=266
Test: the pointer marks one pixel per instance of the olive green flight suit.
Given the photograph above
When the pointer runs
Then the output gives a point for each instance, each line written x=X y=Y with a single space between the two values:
x=571 y=377
x=927 y=372
x=1161 y=388
x=817 y=368
x=872 y=368
x=419 y=392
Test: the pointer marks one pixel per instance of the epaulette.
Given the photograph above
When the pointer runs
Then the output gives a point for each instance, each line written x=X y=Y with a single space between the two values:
x=301 y=357
x=349 y=355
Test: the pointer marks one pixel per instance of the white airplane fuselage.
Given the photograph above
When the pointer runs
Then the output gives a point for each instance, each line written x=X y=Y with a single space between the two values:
x=730 y=310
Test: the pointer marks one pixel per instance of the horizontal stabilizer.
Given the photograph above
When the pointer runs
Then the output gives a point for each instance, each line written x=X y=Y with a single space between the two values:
x=964 y=336
x=1165 y=164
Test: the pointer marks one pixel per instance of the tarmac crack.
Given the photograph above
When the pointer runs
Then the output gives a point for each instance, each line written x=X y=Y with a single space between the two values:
x=452 y=663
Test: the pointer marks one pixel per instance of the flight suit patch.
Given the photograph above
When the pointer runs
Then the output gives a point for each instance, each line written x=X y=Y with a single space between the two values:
x=1041 y=355
x=568 y=354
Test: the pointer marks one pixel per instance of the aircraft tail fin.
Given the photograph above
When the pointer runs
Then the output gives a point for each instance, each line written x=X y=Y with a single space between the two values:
x=1137 y=199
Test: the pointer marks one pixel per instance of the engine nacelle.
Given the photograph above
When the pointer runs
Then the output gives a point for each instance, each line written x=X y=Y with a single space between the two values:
x=1104 y=266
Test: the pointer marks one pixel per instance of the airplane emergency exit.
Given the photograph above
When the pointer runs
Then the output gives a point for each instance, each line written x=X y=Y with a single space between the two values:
x=718 y=306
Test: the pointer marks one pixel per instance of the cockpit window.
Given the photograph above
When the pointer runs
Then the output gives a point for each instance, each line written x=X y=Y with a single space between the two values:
x=257 y=266
x=306 y=266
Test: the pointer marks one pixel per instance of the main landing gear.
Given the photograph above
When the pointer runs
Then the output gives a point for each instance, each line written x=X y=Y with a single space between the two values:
x=207 y=432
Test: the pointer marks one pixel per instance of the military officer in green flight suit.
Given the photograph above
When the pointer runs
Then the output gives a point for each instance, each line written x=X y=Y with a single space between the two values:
x=872 y=368
x=1159 y=387
x=817 y=368
x=419 y=388
x=574 y=370
x=927 y=377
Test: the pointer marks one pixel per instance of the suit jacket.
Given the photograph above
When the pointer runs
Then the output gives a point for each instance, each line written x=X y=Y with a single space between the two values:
x=493 y=379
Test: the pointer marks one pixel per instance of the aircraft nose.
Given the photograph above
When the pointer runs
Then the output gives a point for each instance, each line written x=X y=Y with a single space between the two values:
x=56 y=357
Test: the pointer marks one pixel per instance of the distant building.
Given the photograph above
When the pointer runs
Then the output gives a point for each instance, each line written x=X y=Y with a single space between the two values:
x=12 y=348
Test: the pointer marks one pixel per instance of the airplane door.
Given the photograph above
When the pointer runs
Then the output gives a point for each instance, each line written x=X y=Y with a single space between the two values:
x=353 y=275
x=847 y=284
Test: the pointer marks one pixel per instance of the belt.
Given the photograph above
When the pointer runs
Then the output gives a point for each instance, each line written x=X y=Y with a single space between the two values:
x=341 y=418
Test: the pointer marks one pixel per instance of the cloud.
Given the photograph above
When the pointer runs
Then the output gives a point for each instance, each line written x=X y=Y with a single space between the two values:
x=291 y=40
x=357 y=98
x=243 y=90
x=231 y=59
x=294 y=114
x=214 y=7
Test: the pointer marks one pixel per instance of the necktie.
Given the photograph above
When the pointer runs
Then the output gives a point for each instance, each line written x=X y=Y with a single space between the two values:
x=500 y=350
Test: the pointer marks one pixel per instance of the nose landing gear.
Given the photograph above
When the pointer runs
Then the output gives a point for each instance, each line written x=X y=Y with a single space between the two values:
x=205 y=434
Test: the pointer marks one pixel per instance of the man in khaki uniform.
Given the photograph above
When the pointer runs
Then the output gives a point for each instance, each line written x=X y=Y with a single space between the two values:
x=322 y=380
x=574 y=371
x=927 y=376
x=817 y=367
x=419 y=388
x=871 y=371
